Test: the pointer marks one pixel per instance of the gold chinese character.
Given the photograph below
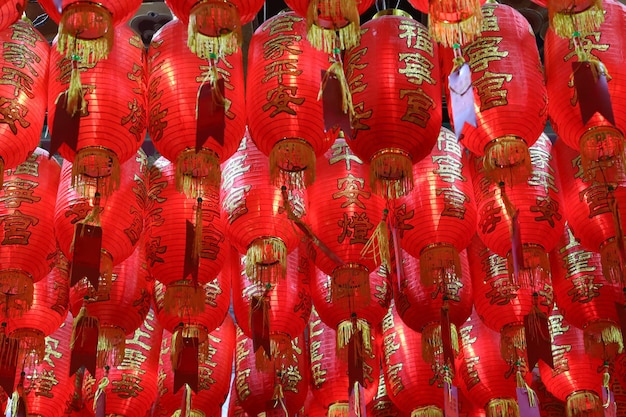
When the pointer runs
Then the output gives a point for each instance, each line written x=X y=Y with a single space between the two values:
x=490 y=89
x=418 y=105
x=352 y=190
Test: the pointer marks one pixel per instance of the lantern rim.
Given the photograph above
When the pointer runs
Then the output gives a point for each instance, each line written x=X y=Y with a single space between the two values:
x=392 y=12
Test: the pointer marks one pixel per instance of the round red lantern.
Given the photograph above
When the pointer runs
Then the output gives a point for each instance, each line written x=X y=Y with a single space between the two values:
x=258 y=225
x=575 y=378
x=586 y=299
x=108 y=124
x=186 y=242
x=196 y=140
x=285 y=117
x=532 y=209
x=593 y=126
x=214 y=26
x=120 y=216
x=438 y=220
x=284 y=306
x=24 y=92
x=279 y=386
x=26 y=211
x=331 y=24
x=504 y=64
x=396 y=122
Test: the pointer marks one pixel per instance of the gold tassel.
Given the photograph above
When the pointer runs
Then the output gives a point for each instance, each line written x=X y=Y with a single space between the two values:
x=32 y=342
x=279 y=398
x=566 y=20
x=391 y=173
x=266 y=260
x=512 y=342
x=447 y=31
x=346 y=329
x=336 y=69
x=184 y=299
x=87 y=320
x=349 y=281
x=75 y=95
x=377 y=247
x=292 y=164
x=584 y=403
x=507 y=160
x=197 y=173
x=104 y=382
x=96 y=164
x=534 y=272
x=440 y=263
x=603 y=339
x=345 y=20
x=86 y=17
x=502 y=407
x=111 y=346
x=338 y=409
x=18 y=290
x=606 y=380
x=521 y=383
x=432 y=344
x=214 y=29
x=428 y=411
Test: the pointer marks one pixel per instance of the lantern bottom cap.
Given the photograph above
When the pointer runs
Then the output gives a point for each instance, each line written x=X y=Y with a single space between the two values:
x=507 y=160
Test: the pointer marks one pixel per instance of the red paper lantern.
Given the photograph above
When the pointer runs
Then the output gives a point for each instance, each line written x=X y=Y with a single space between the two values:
x=281 y=386
x=285 y=117
x=175 y=123
x=586 y=298
x=396 y=122
x=186 y=242
x=26 y=211
x=331 y=376
x=414 y=385
x=422 y=307
x=256 y=215
x=504 y=64
x=539 y=220
x=567 y=16
x=24 y=91
x=438 y=220
x=214 y=26
x=331 y=23
x=120 y=215
x=109 y=123
x=600 y=139
x=575 y=378
x=284 y=306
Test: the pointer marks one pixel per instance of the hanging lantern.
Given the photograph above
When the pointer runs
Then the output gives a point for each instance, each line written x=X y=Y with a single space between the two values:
x=438 y=220
x=586 y=84
x=575 y=378
x=331 y=23
x=105 y=125
x=504 y=64
x=396 y=122
x=119 y=218
x=281 y=387
x=414 y=385
x=51 y=298
x=342 y=387
x=567 y=16
x=425 y=308
x=529 y=214
x=198 y=121
x=214 y=26
x=26 y=209
x=234 y=406
x=285 y=117
x=23 y=95
x=186 y=241
x=272 y=315
x=258 y=225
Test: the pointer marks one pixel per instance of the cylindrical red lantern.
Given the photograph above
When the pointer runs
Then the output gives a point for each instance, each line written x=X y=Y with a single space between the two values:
x=438 y=220
x=24 y=90
x=598 y=136
x=26 y=212
x=109 y=123
x=331 y=24
x=186 y=243
x=586 y=298
x=575 y=378
x=504 y=63
x=258 y=223
x=396 y=122
x=214 y=26
x=175 y=122
x=285 y=117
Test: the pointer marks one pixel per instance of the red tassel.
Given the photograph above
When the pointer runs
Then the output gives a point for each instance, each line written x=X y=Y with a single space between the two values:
x=210 y=112
x=538 y=341
x=87 y=247
x=260 y=324
x=66 y=126
x=9 y=349
x=84 y=343
x=186 y=366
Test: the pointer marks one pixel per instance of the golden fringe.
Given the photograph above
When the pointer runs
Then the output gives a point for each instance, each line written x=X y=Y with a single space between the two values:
x=99 y=164
x=611 y=262
x=440 y=263
x=603 y=339
x=502 y=407
x=111 y=346
x=192 y=413
x=346 y=329
x=603 y=154
x=292 y=164
x=327 y=39
x=75 y=95
x=535 y=269
x=87 y=321
x=507 y=160
x=18 y=290
x=226 y=36
x=460 y=32
x=585 y=403
x=336 y=69
x=80 y=15
x=432 y=344
x=197 y=173
x=428 y=411
x=585 y=22
x=391 y=173
x=512 y=343
x=9 y=349
x=348 y=281
x=32 y=342
x=339 y=409
x=280 y=345
x=378 y=244
x=521 y=383
x=104 y=382
x=183 y=299
x=266 y=260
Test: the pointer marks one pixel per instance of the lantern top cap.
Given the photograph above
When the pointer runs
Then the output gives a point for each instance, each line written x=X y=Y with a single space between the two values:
x=392 y=12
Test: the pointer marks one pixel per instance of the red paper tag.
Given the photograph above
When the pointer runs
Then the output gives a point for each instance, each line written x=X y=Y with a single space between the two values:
x=210 y=114
x=8 y=366
x=85 y=349
x=538 y=341
x=191 y=263
x=355 y=360
x=332 y=99
x=259 y=325
x=592 y=91
x=86 y=258
x=187 y=371
x=66 y=127
x=446 y=339
x=462 y=98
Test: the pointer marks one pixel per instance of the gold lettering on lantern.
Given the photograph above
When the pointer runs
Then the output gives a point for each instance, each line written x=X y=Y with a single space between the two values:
x=317 y=372
x=207 y=76
x=356 y=84
x=417 y=68
x=367 y=373
x=390 y=346
x=490 y=89
x=42 y=383
x=449 y=169
x=134 y=230
x=447 y=143
x=156 y=122
x=16 y=227
x=13 y=113
x=352 y=190
x=357 y=227
x=142 y=303
x=18 y=191
x=416 y=36
x=557 y=328
x=212 y=291
x=418 y=105
x=395 y=380
x=342 y=152
x=388 y=322
x=280 y=98
x=451 y=289
x=291 y=378
x=127 y=387
x=133 y=360
x=26 y=34
x=211 y=239
x=489 y=217
x=29 y=167
x=472 y=378
x=22 y=82
x=62 y=297
x=242 y=385
x=490 y=20
x=136 y=117
x=383 y=293
x=304 y=305
x=153 y=251
x=20 y=56
x=282 y=44
x=51 y=351
x=241 y=353
x=548 y=209
x=483 y=51
x=542 y=174
x=235 y=202
x=501 y=292
x=205 y=378
x=402 y=218
x=284 y=24
x=597 y=198
x=590 y=43
x=454 y=201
